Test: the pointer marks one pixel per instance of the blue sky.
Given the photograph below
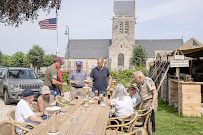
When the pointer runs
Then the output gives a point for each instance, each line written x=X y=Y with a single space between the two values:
x=91 y=19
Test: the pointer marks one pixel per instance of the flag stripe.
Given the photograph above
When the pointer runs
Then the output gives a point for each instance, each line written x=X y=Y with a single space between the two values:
x=48 y=24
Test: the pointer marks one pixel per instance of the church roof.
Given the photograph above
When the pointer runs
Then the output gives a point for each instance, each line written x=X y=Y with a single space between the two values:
x=98 y=48
x=89 y=48
x=151 y=45
x=127 y=7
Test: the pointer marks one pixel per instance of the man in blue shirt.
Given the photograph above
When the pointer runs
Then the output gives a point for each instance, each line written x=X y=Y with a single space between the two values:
x=76 y=79
x=101 y=78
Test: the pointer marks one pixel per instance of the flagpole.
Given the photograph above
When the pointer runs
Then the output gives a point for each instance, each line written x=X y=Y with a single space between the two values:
x=57 y=50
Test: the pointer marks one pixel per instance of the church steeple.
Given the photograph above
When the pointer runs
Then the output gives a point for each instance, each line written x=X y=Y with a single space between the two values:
x=123 y=34
x=124 y=20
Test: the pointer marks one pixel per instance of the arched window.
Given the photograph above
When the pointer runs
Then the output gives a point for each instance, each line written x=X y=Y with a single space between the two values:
x=121 y=28
x=120 y=59
x=126 y=29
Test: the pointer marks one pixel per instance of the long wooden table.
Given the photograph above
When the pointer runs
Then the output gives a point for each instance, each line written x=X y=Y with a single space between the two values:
x=94 y=119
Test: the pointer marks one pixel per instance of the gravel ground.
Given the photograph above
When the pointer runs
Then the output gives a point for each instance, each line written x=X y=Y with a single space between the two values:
x=5 y=108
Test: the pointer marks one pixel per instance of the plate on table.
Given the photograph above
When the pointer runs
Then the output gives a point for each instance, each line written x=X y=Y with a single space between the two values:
x=103 y=105
x=87 y=81
x=86 y=87
x=90 y=101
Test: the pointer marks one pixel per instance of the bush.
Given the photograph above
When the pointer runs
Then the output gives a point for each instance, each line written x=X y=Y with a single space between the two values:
x=143 y=70
x=126 y=77
x=65 y=75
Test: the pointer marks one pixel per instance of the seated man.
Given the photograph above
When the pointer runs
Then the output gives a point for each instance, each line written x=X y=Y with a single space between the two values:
x=45 y=100
x=134 y=96
x=23 y=111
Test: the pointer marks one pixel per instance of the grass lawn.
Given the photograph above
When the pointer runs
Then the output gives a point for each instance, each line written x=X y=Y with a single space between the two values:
x=169 y=123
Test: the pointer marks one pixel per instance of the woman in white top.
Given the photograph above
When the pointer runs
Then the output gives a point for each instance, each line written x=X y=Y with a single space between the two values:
x=122 y=102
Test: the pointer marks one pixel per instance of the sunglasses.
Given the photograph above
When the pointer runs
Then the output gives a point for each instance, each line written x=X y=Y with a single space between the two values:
x=46 y=94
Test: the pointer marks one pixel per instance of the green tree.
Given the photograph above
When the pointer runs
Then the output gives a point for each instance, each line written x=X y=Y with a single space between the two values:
x=14 y=12
x=26 y=61
x=48 y=59
x=5 y=61
x=35 y=56
x=139 y=56
x=1 y=58
x=17 y=60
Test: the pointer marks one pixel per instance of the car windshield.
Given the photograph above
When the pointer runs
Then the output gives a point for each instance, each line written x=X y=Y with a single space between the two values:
x=21 y=74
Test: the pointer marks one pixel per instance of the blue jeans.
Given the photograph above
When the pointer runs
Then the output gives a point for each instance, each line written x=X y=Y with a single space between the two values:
x=99 y=92
x=55 y=92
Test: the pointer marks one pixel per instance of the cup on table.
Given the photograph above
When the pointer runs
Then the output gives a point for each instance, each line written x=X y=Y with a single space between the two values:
x=76 y=97
x=109 y=96
x=96 y=92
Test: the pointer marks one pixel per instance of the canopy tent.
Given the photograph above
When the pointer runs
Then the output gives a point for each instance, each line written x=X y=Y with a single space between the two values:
x=192 y=48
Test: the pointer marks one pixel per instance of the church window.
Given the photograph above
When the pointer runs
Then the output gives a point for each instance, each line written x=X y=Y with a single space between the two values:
x=126 y=29
x=121 y=46
x=121 y=28
x=120 y=59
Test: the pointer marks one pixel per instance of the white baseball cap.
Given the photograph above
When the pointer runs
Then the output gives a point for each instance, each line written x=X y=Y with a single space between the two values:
x=45 y=90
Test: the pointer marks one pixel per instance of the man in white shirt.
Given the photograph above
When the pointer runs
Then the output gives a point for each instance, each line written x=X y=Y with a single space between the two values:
x=134 y=96
x=24 y=113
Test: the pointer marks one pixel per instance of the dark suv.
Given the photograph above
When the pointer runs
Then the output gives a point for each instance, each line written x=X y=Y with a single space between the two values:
x=13 y=80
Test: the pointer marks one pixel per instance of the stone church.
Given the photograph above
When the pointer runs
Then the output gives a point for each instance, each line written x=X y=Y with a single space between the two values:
x=117 y=52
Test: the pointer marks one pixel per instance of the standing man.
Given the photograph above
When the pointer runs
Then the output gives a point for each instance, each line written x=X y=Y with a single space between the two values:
x=76 y=79
x=24 y=113
x=60 y=77
x=134 y=96
x=148 y=94
x=51 y=77
x=101 y=77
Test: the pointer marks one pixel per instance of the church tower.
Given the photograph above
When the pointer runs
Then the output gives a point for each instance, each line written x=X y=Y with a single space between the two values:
x=123 y=34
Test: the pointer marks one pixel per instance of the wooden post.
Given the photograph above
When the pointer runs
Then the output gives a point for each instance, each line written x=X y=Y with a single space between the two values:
x=178 y=72
x=156 y=73
x=167 y=89
x=167 y=83
x=191 y=67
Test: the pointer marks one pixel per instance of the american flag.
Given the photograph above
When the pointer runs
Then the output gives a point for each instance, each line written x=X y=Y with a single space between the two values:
x=48 y=24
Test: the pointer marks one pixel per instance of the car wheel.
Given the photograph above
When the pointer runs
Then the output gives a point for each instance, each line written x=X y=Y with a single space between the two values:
x=6 y=98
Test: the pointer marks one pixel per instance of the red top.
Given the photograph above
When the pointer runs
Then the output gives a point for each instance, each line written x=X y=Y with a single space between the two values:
x=59 y=74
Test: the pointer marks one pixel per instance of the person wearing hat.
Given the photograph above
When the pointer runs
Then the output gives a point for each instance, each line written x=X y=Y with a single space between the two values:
x=45 y=100
x=52 y=79
x=76 y=79
x=24 y=113
x=134 y=96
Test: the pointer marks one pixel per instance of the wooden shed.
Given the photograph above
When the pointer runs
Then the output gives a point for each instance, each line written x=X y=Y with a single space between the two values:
x=190 y=94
